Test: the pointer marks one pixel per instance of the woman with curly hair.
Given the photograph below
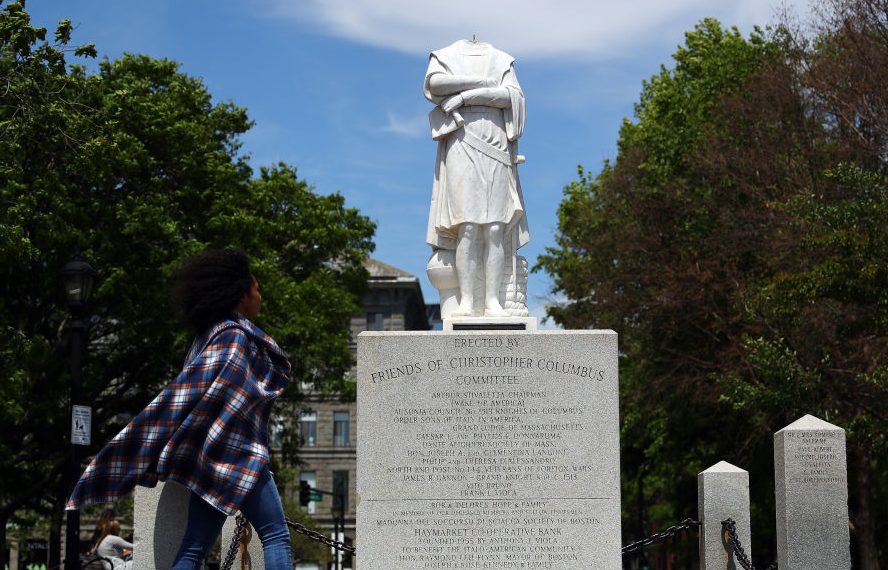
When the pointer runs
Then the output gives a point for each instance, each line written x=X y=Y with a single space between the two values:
x=208 y=428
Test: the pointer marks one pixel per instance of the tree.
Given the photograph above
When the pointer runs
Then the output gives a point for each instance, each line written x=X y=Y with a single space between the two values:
x=735 y=244
x=137 y=167
x=651 y=247
x=824 y=350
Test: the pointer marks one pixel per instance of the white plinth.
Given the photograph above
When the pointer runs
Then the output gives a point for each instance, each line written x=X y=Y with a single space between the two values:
x=522 y=324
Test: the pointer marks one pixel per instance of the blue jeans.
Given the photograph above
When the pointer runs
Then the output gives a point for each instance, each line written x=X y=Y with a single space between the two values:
x=262 y=508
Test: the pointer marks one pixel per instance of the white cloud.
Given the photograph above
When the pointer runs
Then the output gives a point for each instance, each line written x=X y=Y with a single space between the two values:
x=411 y=127
x=534 y=29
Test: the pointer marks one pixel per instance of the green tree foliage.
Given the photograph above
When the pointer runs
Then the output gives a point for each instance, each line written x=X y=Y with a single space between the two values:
x=137 y=167
x=737 y=245
x=650 y=247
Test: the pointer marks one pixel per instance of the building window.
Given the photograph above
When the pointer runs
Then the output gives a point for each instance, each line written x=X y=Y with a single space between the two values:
x=311 y=478
x=308 y=428
x=340 y=429
x=375 y=322
x=340 y=488
x=276 y=433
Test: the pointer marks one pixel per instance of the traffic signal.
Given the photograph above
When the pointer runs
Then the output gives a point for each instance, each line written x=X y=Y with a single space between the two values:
x=304 y=493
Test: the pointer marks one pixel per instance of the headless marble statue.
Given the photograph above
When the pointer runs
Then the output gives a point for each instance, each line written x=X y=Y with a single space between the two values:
x=476 y=219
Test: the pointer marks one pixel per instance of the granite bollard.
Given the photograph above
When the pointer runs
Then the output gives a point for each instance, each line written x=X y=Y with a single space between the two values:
x=722 y=493
x=159 y=518
x=496 y=449
x=811 y=496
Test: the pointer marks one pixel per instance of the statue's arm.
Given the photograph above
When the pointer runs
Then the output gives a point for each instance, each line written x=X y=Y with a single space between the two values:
x=488 y=96
x=443 y=84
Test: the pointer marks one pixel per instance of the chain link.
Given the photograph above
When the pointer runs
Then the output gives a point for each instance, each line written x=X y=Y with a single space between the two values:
x=241 y=527
x=315 y=535
x=730 y=527
x=661 y=536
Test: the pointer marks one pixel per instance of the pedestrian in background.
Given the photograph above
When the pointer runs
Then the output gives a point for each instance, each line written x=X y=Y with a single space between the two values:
x=99 y=531
x=113 y=547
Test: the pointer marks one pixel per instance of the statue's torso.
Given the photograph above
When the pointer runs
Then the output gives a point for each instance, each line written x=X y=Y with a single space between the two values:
x=486 y=123
x=477 y=180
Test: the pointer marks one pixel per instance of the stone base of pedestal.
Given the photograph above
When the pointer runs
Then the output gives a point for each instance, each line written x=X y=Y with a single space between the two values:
x=488 y=449
x=523 y=324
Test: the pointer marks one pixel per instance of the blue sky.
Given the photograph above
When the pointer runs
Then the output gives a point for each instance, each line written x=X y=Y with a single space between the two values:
x=334 y=86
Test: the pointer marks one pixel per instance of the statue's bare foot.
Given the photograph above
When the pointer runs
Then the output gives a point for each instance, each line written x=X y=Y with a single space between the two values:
x=463 y=310
x=494 y=309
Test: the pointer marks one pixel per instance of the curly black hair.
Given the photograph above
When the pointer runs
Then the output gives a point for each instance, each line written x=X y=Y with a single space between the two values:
x=210 y=284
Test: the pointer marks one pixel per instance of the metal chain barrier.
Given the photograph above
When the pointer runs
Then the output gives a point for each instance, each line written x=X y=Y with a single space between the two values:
x=315 y=535
x=241 y=527
x=730 y=527
x=661 y=536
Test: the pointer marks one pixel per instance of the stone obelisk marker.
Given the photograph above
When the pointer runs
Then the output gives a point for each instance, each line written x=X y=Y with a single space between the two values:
x=812 y=496
x=488 y=450
x=722 y=493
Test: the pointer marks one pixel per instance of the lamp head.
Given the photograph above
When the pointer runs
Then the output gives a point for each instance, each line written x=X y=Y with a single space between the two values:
x=79 y=277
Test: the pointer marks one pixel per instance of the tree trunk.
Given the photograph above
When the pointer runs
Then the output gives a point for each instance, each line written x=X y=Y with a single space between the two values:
x=864 y=522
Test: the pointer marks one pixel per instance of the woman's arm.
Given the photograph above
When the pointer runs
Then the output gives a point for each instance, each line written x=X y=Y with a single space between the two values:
x=119 y=544
x=442 y=84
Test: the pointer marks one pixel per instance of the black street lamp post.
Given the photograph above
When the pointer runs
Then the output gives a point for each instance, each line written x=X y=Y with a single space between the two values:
x=337 y=511
x=78 y=278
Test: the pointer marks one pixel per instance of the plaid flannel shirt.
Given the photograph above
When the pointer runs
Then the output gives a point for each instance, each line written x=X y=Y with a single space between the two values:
x=206 y=430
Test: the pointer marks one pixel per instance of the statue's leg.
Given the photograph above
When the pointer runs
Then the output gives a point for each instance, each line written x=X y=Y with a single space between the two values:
x=493 y=269
x=468 y=248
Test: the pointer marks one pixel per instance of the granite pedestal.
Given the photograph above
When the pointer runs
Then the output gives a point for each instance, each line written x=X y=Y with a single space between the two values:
x=488 y=449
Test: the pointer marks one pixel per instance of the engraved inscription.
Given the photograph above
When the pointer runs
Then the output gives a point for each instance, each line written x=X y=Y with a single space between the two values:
x=507 y=361
x=815 y=456
x=489 y=451
x=488 y=534
x=484 y=430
